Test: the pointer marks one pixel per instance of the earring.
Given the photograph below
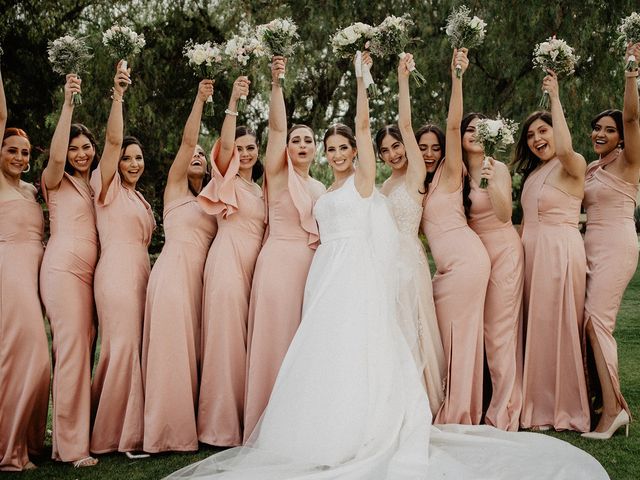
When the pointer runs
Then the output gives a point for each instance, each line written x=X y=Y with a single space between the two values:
x=28 y=168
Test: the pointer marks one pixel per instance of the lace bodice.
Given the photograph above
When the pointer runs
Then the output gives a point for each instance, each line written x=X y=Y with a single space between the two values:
x=406 y=211
x=341 y=213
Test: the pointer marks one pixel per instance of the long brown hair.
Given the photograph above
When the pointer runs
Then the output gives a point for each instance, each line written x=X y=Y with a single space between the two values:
x=524 y=160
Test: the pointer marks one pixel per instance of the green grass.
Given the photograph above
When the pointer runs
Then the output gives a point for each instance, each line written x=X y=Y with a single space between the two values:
x=620 y=456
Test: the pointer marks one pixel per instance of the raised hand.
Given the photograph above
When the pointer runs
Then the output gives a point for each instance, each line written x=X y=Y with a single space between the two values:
x=488 y=169
x=71 y=88
x=278 y=66
x=205 y=90
x=460 y=61
x=240 y=88
x=550 y=84
x=121 y=81
x=405 y=66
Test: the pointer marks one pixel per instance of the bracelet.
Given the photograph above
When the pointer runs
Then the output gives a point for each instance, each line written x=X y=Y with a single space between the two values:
x=633 y=73
x=114 y=96
x=231 y=112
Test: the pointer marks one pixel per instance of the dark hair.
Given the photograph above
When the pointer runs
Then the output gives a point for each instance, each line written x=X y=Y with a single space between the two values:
x=524 y=160
x=466 y=180
x=15 y=132
x=76 y=130
x=258 y=170
x=617 y=117
x=442 y=141
x=205 y=178
x=340 y=129
x=128 y=141
x=296 y=126
x=392 y=130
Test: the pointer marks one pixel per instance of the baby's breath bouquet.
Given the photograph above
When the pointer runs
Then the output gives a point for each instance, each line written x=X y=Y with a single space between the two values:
x=391 y=38
x=207 y=61
x=494 y=136
x=554 y=54
x=349 y=43
x=280 y=39
x=240 y=51
x=69 y=54
x=629 y=32
x=464 y=30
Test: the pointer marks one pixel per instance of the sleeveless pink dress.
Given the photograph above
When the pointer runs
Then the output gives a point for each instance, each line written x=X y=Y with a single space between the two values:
x=171 y=338
x=275 y=307
x=66 y=285
x=459 y=288
x=611 y=245
x=125 y=224
x=24 y=352
x=554 y=387
x=240 y=212
x=502 y=310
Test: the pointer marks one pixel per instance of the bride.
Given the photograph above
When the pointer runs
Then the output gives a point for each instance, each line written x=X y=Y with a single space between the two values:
x=348 y=402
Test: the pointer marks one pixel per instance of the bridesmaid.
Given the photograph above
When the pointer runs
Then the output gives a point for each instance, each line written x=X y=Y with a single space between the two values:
x=398 y=148
x=463 y=267
x=282 y=266
x=237 y=201
x=171 y=340
x=489 y=215
x=66 y=280
x=554 y=387
x=24 y=353
x=125 y=223
x=611 y=243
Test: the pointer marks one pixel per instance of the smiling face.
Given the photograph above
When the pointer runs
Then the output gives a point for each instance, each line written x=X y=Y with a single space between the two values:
x=248 y=150
x=605 y=136
x=80 y=154
x=198 y=165
x=14 y=156
x=540 y=140
x=131 y=165
x=301 y=147
x=340 y=153
x=469 y=143
x=431 y=150
x=393 y=153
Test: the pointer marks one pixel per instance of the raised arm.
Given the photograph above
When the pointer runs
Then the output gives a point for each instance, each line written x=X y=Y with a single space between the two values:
x=115 y=125
x=416 y=168
x=274 y=159
x=630 y=116
x=365 y=176
x=54 y=171
x=452 y=173
x=228 y=132
x=572 y=162
x=177 y=181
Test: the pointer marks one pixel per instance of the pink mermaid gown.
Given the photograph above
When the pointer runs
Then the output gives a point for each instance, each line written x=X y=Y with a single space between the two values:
x=24 y=352
x=275 y=306
x=554 y=387
x=66 y=285
x=239 y=208
x=611 y=245
x=125 y=224
x=502 y=310
x=171 y=336
x=459 y=288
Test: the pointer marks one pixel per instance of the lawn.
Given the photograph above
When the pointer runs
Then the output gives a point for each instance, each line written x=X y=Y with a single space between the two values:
x=620 y=456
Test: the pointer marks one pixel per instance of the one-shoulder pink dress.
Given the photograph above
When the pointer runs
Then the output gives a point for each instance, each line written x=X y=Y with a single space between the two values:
x=554 y=386
x=459 y=289
x=611 y=245
x=275 y=307
x=239 y=209
x=66 y=286
x=171 y=337
x=125 y=224
x=24 y=352
x=502 y=310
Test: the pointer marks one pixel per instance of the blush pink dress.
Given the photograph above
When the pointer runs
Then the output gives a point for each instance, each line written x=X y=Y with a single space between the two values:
x=125 y=224
x=24 y=352
x=611 y=245
x=459 y=288
x=502 y=310
x=66 y=286
x=275 y=307
x=171 y=338
x=239 y=209
x=554 y=387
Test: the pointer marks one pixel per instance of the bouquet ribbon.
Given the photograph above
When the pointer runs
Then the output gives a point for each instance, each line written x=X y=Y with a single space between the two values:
x=363 y=71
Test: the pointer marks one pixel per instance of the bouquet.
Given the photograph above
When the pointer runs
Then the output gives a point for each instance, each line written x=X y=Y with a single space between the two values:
x=391 y=37
x=122 y=42
x=279 y=38
x=494 y=136
x=556 y=55
x=349 y=42
x=206 y=59
x=464 y=31
x=629 y=32
x=69 y=54
x=240 y=50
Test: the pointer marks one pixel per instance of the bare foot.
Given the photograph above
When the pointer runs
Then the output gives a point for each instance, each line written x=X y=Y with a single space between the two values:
x=29 y=466
x=85 y=462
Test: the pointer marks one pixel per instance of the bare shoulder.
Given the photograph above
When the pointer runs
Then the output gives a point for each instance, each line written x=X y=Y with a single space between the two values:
x=317 y=187
x=28 y=189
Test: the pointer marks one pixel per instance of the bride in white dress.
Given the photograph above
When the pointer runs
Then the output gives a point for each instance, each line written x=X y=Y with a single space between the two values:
x=348 y=402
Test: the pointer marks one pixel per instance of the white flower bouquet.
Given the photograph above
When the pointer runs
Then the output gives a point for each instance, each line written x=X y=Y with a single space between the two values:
x=554 y=54
x=122 y=43
x=348 y=42
x=494 y=136
x=629 y=32
x=280 y=38
x=240 y=51
x=391 y=38
x=207 y=61
x=464 y=30
x=69 y=54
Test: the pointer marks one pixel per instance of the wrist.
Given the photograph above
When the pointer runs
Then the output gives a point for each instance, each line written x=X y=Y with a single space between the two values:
x=631 y=74
x=233 y=113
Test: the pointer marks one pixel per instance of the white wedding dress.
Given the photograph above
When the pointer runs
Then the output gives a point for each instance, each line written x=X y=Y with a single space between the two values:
x=348 y=402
